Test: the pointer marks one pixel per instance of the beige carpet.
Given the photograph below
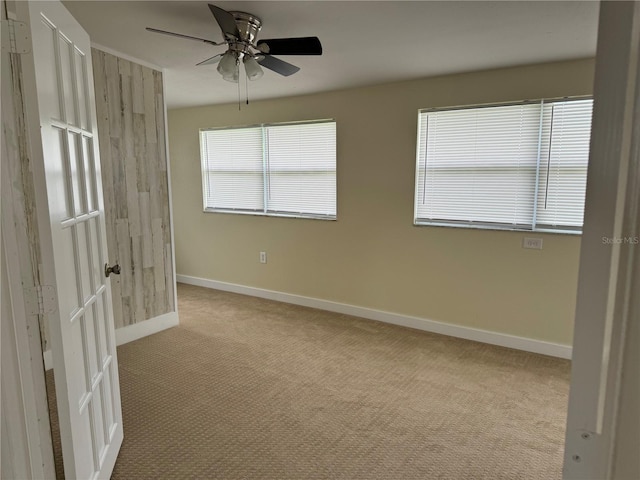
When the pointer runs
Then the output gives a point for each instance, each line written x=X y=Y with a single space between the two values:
x=247 y=388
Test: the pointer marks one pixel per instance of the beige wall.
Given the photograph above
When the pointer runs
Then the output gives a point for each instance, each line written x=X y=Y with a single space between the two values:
x=373 y=256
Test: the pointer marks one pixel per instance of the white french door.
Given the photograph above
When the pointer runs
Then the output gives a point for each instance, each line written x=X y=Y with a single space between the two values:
x=72 y=236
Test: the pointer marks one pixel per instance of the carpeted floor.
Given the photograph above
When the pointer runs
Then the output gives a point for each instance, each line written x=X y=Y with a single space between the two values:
x=247 y=388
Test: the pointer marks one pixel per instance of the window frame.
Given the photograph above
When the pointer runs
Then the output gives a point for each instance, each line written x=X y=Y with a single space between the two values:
x=265 y=212
x=487 y=225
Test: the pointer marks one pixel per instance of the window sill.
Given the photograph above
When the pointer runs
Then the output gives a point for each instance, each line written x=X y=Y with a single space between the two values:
x=498 y=228
x=270 y=214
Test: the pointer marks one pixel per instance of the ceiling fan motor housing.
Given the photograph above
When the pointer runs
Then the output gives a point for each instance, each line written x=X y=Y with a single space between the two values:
x=248 y=26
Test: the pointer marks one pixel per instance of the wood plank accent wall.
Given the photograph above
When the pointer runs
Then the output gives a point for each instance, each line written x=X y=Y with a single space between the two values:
x=131 y=128
x=16 y=170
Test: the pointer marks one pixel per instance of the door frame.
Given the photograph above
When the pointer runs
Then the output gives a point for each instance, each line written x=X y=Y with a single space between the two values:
x=603 y=393
x=30 y=418
x=48 y=243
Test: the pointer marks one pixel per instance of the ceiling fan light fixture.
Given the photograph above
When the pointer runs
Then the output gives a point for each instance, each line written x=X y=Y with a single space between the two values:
x=228 y=67
x=233 y=78
x=252 y=68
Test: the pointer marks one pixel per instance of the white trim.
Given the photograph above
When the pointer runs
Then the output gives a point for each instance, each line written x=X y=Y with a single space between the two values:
x=27 y=362
x=148 y=327
x=124 y=56
x=167 y=158
x=468 y=333
x=132 y=332
x=602 y=419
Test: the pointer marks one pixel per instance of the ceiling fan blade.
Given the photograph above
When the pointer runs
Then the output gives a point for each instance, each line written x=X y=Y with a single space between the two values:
x=277 y=65
x=226 y=21
x=209 y=61
x=291 y=46
x=164 y=32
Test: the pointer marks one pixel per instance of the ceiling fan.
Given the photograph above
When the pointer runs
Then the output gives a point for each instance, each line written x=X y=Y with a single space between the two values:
x=240 y=30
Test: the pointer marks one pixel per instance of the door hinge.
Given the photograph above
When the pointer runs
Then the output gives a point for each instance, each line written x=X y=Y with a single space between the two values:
x=41 y=300
x=16 y=37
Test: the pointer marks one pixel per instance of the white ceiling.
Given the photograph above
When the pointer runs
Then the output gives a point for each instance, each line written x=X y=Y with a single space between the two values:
x=364 y=42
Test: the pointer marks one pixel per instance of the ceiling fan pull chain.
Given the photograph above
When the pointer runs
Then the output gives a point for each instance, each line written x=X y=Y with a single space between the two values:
x=239 y=100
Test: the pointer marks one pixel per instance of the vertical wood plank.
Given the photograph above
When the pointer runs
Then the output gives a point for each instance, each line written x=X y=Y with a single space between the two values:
x=158 y=255
x=127 y=116
x=140 y=152
x=113 y=95
x=137 y=88
x=153 y=158
x=149 y=104
x=139 y=314
x=133 y=206
x=145 y=228
x=124 y=67
x=160 y=125
x=100 y=84
x=124 y=257
x=116 y=294
x=118 y=178
x=155 y=202
x=149 y=292
x=127 y=312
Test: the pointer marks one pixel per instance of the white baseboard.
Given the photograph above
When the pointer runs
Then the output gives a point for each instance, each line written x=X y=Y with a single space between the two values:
x=48 y=360
x=468 y=333
x=132 y=332
x=148 y=327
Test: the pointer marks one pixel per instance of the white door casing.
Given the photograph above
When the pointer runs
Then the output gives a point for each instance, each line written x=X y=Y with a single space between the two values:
x=72 y=234
x=601 y=443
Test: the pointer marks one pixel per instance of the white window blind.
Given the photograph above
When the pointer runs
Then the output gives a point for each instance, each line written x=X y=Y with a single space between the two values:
x=282 y=170
x=563 y=171
x=302 y=168
x=233 y=176
x=512 y=166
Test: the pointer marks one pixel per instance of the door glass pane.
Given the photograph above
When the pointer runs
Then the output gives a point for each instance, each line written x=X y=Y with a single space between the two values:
x=92 y=354
x=80 y=65
x=108 y=400
x=89 y=173
x=66 y=73
x=95 y=263
x=59 y=181
x=98 y=420
x=82 y=255
x=75 y=166
x=49 y=82
x=69 y=296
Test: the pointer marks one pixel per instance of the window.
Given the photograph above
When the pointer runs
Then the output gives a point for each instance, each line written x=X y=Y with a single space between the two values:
x=280 y=169
x=520 y=167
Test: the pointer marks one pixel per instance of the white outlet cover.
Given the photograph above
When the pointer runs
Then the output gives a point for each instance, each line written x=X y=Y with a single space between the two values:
x=533 y=243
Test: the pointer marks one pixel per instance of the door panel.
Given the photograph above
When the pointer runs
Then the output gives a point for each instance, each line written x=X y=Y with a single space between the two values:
x=82 y=328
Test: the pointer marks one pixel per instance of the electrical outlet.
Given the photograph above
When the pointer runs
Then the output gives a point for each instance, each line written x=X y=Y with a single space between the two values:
x=530 y=242
x=263 y=257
